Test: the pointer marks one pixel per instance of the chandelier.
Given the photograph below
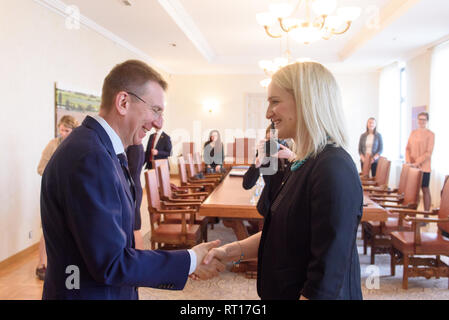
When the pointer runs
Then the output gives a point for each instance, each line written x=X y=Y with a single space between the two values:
x=322 y=24
x=271 y=66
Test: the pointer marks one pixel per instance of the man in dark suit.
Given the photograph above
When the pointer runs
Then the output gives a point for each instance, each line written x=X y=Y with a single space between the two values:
x=88 y=201
x=159 y=146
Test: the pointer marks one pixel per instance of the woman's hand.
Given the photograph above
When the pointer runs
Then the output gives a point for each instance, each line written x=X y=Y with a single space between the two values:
x=284 y=153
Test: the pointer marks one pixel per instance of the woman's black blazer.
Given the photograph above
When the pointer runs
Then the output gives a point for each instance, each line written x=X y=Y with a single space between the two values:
x=308 y=244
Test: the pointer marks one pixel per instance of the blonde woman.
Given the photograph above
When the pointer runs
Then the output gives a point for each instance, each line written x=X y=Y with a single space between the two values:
x=307 y=248
x=65 y=127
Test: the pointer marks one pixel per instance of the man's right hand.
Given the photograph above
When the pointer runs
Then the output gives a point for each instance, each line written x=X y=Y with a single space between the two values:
x=213 y=268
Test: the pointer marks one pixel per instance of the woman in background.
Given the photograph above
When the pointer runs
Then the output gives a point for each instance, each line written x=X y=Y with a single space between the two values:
x=214 y=153
x=419 y=153
x=370 y=145
x=307 y=248
x=65 y=127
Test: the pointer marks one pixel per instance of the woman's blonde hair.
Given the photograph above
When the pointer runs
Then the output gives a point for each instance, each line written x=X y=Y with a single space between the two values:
x=68 y=121
x=318 y=106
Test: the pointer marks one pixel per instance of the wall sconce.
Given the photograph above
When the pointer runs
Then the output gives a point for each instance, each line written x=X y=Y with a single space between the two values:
x=210 y=106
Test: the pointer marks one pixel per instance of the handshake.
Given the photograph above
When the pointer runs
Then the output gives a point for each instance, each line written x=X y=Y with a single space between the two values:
x=210 y=260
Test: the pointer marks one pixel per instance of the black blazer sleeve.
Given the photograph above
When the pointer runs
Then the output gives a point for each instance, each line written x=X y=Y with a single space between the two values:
x=336 y=204
x=250 y=177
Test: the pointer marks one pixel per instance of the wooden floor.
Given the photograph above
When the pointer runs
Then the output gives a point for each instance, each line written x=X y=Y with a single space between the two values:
x=18 y=280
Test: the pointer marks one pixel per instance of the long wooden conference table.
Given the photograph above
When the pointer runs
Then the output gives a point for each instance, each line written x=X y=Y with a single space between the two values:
x=234 y=204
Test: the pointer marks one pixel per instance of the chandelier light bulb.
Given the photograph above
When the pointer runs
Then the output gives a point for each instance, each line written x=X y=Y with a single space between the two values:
x=265 y=19
x=280 y=62
x=266 y=64
x=306 y=35
x=324 y=7
x=265 y=82
x=349 y=13
x=281 y=10
x=334 y=22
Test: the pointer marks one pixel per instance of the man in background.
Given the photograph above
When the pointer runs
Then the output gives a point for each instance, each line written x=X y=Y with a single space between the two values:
x=159 y=146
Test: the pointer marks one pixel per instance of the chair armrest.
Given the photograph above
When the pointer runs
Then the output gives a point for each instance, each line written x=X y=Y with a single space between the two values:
x=175 y=200
x=193 y=194
x=385 y=199
x=412 y=212
x=418 y=220
x=387 y=206
x=173 y=211
x=180 y=204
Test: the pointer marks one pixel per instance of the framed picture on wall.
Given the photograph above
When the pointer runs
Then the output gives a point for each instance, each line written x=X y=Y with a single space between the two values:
x=75 y=103
x=415 y=112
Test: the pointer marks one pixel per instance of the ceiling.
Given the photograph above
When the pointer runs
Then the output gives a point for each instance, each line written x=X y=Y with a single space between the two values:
x=216 y=36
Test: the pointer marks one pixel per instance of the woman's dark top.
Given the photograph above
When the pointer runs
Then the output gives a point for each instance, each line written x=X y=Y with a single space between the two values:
x=272 y=183
x=210 y=156
x=308 y=243
x=136 y=159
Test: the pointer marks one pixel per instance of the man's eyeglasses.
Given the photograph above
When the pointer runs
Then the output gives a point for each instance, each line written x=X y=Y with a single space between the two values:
x=422 y=119
x=157 y=111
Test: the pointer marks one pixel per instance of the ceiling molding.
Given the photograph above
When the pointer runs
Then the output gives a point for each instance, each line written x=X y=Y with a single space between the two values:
x=387 y=15
x=176 y=11
x=61 y=8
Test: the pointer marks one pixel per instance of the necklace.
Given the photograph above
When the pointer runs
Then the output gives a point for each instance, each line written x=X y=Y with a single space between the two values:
x=298 y=163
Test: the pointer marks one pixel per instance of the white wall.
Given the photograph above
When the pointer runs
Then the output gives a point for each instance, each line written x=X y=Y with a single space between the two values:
x=38 y=50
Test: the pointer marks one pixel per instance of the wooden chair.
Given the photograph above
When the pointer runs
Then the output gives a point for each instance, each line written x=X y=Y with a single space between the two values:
x=191 y=172
x=173 y=235
x=183 y=193
x=408 y=247
x=201 y=169
x=191 y=200
x=382 y=174
x=244 y=151
x=377 y=234
x=391 y=192
x=366 y=168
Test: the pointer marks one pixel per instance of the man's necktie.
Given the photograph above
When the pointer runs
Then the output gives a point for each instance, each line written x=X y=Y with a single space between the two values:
x=124 y=163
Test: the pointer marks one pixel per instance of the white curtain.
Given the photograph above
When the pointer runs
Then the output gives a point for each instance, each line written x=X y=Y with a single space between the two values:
x=388 y=123
x=439 y=115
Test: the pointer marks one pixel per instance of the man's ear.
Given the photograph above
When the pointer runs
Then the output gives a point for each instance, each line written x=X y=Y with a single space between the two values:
x=122 y=102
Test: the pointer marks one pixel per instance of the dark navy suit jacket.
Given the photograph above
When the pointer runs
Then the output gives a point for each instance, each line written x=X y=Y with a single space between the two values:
x=87 y=218
x=163 y=147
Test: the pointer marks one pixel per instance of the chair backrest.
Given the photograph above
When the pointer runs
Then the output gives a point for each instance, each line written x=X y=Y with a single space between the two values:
x=154 y=202
x=182 y=170
x=383 y=172
x=230 y=149
x=366 y=166
x=191 y=170
x=412 y=187
x=198 y=162
x=164 y=176
x=403 y=178
x=187 y=147
x=244 y=150
x=444 y=208
x=156 y=164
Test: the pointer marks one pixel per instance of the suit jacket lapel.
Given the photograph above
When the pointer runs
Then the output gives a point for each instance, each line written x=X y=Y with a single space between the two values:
x=94 y=125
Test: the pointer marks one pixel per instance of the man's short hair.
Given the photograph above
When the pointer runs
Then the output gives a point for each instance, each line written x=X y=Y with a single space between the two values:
x=426 y=114
x=130 y=75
